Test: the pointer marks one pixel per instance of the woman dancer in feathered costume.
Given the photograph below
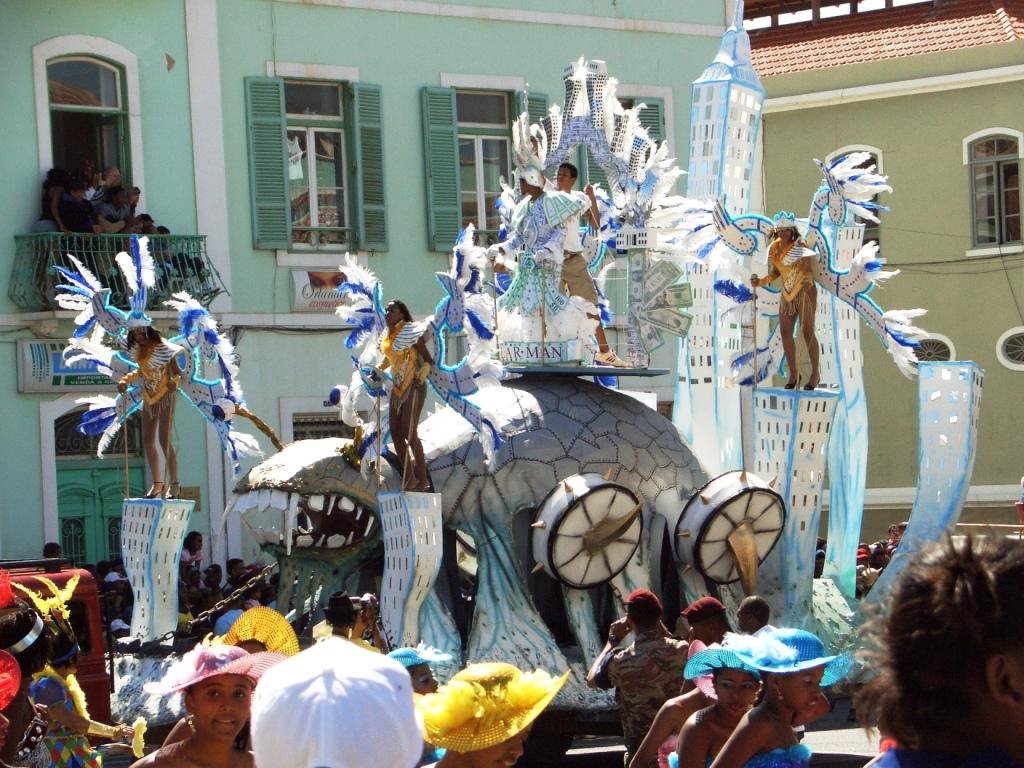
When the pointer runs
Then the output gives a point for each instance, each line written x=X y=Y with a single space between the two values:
x=403 y=343
x=847 y=187
x=149 y=369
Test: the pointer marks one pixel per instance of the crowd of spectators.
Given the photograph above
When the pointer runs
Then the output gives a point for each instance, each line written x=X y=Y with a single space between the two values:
x=81 y=201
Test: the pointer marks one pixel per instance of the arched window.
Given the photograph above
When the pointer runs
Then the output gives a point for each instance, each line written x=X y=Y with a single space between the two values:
x=994 y=163
x=88 y=114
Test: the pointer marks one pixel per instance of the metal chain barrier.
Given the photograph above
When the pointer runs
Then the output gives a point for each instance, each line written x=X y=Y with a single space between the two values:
x=231 y=597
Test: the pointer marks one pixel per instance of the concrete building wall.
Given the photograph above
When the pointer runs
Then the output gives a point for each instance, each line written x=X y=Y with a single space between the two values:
x=972 y=298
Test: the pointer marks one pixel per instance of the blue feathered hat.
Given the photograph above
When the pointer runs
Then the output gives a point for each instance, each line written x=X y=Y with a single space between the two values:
x=784 y=651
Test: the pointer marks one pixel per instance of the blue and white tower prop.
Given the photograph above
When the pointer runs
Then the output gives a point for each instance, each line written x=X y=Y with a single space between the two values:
x=152 y=532
x=948 y=402
x=842 y=368
x=725 y=116
x=792 y=432
x=411 y=526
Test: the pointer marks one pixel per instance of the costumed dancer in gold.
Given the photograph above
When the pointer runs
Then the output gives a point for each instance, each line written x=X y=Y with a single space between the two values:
x=792 y=261
x=410 y=363
x=159 y=374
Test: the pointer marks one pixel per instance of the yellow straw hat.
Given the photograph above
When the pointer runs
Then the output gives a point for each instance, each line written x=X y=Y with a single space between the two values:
x=485 y=704
x=264 y=625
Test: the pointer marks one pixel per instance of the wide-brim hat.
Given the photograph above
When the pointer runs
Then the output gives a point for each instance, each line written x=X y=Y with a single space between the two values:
x=206 y=661
x=486 y=704
x=10 y=679
x=785 y=650
x=264 y=625
x=418 y=656
x=702 y=666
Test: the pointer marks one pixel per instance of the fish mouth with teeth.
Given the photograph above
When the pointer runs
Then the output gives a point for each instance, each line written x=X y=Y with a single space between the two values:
x=304 y=498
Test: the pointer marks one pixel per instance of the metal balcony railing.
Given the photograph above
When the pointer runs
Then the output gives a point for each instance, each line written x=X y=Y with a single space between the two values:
x=181 y=265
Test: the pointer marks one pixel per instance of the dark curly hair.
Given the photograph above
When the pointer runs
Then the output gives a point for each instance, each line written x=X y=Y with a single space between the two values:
x=16 y=621
x=954 y=606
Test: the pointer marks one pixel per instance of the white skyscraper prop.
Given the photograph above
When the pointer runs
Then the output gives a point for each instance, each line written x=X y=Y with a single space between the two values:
x=725 y=116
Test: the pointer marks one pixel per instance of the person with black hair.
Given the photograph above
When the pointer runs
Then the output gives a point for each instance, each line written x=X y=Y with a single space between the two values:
x=55 y=184
x=57 y=689
x=406 y=355
x=159 y=374
x=576 y=277
x=948 y=659
x=75 y=212
x=24 y=635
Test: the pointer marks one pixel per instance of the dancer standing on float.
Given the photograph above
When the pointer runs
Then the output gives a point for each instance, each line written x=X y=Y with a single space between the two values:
x=158 y=375
x=791 y=260
x=534 y=308
x=406 y=355
x=576 y=277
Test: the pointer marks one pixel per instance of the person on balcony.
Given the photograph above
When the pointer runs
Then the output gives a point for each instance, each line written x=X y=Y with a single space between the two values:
x=54 y=186
x=115 y=214
x=110 y=178
x=75 y=212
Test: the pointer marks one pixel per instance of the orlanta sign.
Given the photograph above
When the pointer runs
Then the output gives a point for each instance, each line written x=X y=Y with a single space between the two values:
x=316 y=291
x=41 y=368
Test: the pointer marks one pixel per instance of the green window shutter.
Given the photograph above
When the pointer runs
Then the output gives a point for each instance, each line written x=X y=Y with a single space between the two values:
x=652 y=117
x=535 y=104
x=268 y=163
x=441 y=152
x=368 y=175
x=592 y=171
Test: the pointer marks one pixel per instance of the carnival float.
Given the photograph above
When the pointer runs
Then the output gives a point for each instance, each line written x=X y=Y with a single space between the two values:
x=566 y=491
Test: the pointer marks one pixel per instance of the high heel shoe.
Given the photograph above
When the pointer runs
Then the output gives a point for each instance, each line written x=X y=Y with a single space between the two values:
x=155 y=491
x=793 y=383
x=173 y=491
x=810 y=386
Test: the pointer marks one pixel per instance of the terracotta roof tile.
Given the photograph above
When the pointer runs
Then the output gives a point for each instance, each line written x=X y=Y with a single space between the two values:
x=911 y=30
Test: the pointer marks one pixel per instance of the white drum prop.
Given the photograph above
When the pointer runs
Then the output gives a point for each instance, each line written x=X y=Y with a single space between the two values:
x=729 y=526
x=586 y=530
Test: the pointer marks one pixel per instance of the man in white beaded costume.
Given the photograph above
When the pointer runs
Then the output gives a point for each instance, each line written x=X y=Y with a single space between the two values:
x=534 y=307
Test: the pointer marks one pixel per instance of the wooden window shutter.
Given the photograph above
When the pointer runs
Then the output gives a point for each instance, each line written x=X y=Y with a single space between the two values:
x=441 y=153
x=368 y=175
x=268 y=163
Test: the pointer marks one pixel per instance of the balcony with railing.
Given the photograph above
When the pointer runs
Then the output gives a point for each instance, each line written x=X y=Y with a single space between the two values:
x=181 y=265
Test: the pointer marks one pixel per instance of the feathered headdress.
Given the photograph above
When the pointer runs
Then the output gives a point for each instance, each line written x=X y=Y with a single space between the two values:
x=55 y=612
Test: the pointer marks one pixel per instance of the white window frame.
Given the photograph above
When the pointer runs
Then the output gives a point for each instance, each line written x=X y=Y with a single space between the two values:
x=89 y=47
x=990 y=249
x=311 y=177
x=477 y=84
x=1013 y=365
